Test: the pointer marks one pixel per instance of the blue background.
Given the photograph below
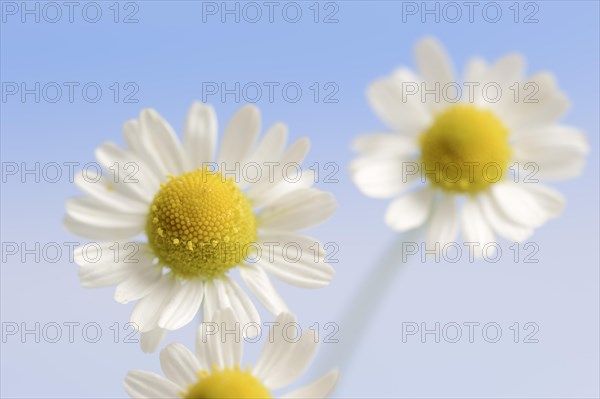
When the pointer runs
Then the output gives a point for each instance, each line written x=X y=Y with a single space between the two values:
x=168 y=54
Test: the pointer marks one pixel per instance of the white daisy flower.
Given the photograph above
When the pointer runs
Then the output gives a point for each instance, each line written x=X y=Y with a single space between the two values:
x=200 y=221
x=466 y=147
x=215 y=371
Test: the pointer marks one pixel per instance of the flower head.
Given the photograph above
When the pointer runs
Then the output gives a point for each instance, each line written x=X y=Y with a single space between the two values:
x=486 y=140
x=203 y=215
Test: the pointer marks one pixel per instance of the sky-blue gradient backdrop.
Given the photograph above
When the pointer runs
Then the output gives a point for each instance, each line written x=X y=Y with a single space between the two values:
x=168 y=54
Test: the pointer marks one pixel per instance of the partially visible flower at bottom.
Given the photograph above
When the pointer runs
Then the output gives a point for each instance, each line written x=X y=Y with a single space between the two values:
x=215 y=371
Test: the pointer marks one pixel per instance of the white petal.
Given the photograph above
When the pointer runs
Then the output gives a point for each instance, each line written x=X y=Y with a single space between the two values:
x=151 y=340
x=243 y=307
x=529 y=204
x=140 y=144
x=179 y=364
x=231 y=344
x=89 y=210
x=443 y=226
x=224 y=293
x=559 y=152
x=385 y=143
x=210 y=304
x=97 y=233
x=500 y=222
x=147 y=311
x=165 y=140
x=297 y=210
x=207 y=328
x=320 y=388
x=202 y=350
x=274 y=349
x=476 y=73
x=475 y=227
x=289 y=358
x=296 y=152
x=545 y=107
x=411 y=210
x=221 y=339
x=381 y=175
x=240 y=135
x=183 y=306
x=271 y=145
x=129 y=172
x=433 y=62
x=285 y=168
x=94 y=276
x=144 y=384
x=435 y=67
x=548 y=199
x=309 y=271
x=516 y=204
x=103 y=265
x=200 y=135
x=260 y=285
x=505 y=73
x=397 y=101
x=267 y=194
x=508 y=70
x=88 y=218
x=138 y=284
x=104 y=192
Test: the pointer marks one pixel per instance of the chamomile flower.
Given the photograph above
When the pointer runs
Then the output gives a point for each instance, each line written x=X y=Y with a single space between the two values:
x=216 y=370
x=478 y=148
x=200 y=218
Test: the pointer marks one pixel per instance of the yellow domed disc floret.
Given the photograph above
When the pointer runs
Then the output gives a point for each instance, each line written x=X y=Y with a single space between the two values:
x=226 y=384
x=465 y=150
x=200 y=224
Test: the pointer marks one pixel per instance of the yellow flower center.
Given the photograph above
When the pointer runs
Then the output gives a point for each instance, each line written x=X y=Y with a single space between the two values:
x=200 y=224
x=465 y=150
x=226 y=384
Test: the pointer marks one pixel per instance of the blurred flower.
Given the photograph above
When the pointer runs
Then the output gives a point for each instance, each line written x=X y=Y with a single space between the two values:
x=200 y=222
x=215 y=371
x=486 y=140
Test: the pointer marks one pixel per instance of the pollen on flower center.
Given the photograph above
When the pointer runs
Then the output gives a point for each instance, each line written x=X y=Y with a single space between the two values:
x=465 y=150
x=225 y=384
x=200 y=224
